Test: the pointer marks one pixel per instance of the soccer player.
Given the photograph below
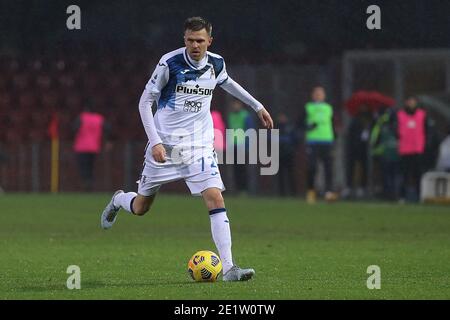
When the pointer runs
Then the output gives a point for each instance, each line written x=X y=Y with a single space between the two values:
x=181 y=135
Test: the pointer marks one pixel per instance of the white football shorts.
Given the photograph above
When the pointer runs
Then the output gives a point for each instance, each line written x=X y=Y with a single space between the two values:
x=197 y=166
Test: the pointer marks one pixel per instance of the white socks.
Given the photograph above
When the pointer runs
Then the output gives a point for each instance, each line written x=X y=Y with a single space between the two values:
x=124 y=200
x=221 y=234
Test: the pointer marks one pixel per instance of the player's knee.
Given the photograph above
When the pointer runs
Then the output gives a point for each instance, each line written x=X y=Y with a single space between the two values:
x=216 y=201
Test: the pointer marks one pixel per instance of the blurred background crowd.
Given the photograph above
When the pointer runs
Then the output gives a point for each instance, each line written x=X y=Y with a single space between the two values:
x=362 y=114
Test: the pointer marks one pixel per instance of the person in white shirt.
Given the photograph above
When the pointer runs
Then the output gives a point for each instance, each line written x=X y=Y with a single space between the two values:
x=181 y=134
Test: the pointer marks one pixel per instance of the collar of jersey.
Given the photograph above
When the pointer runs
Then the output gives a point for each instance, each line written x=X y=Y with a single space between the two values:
x=191 y=64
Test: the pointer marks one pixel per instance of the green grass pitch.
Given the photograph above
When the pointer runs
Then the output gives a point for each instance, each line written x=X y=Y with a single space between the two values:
x=299 y=251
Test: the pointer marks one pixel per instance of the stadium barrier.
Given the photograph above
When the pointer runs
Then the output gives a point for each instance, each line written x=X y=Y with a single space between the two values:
x=28 y=169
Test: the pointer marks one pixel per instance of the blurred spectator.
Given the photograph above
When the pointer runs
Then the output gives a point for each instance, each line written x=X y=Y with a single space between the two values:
x=239 y=118
x=317 y=121
x=433 y=140
x=357 y=148
x=412 y=126
x=91 y=128
x=219 y=133
x=288 y=148
x=383 y=146
x=443 y=162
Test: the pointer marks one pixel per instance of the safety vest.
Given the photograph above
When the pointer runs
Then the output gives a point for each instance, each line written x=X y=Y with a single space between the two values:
x=411 y=132
x=383 y=139
x=219 y=130
x=320 y=113
x=89 y=135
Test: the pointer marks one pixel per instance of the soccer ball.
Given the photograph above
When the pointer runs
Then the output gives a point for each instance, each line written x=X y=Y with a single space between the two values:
x=205 y=266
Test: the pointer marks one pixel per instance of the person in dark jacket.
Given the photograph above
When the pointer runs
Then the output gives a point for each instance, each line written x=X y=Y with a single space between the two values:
x=288 y=148
x=357 y=148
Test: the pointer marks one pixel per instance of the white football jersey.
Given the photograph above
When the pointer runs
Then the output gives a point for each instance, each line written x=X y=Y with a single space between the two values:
x=183 y=90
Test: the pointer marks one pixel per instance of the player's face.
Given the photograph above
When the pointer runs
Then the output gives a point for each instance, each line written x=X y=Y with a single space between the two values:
x=318 y=95
x=197 y=42
x=411 y=103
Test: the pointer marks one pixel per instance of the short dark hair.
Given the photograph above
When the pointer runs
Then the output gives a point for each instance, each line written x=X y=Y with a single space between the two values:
x=197 y=24
x=318 y=86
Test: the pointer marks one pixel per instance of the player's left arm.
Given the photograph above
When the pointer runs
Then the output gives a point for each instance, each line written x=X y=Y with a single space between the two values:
x=236 y=90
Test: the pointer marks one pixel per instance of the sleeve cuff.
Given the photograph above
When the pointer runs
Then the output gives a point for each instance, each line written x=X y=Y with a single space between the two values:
x=154 y=143
x=221 y=83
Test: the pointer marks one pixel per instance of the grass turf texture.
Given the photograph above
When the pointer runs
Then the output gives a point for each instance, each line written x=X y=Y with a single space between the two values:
x=298 y=251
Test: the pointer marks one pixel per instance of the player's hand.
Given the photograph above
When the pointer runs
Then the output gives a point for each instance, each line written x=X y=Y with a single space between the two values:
x=265 y=118
x=159 y=153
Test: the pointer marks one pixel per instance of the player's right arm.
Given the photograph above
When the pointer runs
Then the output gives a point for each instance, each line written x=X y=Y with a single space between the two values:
x=151 y=93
